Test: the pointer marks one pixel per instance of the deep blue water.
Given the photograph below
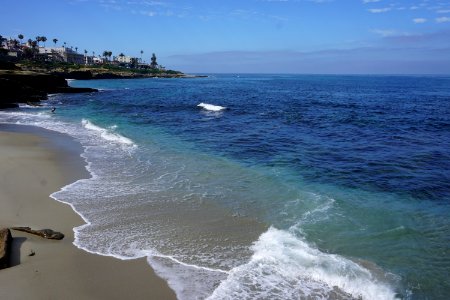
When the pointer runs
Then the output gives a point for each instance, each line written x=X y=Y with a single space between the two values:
x=389 y=133
x=353 y=166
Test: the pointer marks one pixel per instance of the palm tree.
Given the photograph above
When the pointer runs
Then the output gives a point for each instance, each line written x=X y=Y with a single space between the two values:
x=64 y=45
x=85 y=57
x=153 y=63
x=55 y=41
x=20 y=36
x=38 y=39
x=43 y=39
x=142 y=52
x=33 y=45
x=15 y=43
x=121 y=55
x=76 y=49
x=110 y=54
x=105 y=54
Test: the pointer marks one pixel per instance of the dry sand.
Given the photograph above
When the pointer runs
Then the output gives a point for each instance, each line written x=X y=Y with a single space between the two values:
x=33 y=164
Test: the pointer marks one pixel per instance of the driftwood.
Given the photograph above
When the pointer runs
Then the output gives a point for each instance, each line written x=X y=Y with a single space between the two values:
x=45 y=233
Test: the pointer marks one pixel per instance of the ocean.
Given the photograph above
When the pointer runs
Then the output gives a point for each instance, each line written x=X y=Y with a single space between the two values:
x=277 y=187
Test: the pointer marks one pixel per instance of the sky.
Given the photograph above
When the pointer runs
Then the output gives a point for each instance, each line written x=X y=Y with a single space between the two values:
x=249 y=36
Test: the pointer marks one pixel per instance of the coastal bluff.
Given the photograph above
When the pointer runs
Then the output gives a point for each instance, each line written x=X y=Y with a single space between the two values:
x=18 y=86
x=116 y=74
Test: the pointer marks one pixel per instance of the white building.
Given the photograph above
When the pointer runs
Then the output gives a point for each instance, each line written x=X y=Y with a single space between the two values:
x=127 y=59
x=124 y=59
x=97 y=60
x=88 y=60
x=63 y=53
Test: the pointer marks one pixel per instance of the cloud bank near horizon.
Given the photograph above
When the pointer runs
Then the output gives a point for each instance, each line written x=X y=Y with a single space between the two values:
x=398 y=54
x=350 y=61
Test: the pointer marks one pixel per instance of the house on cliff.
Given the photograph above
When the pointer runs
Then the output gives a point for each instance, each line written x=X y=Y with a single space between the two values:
x=62 y=54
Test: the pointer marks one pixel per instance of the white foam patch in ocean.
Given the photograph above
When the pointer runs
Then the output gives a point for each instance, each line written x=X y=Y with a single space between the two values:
x=108 y=134
x=25 y=117
x=31 y=106
x=47 y=120
x=316 y=214
x=286 y=267
x=211 y=107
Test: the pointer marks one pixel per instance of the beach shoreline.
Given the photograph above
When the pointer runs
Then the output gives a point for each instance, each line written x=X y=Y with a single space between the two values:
x=36 y=163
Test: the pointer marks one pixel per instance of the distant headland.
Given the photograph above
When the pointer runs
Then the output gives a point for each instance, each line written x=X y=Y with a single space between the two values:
x=30 y=70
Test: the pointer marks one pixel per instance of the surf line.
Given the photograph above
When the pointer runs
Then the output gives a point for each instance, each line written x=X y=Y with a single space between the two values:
x=190 y=265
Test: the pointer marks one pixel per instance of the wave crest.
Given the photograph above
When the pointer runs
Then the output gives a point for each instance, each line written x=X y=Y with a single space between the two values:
x=285 y=267
x=108 y=134
x=211 y=107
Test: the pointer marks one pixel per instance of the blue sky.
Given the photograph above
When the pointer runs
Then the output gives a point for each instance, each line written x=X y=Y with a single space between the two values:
x=259 y=36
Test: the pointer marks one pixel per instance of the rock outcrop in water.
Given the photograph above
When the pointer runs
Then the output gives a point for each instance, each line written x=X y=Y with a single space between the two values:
x=45 y=233
x=5 y=247
x=24 y=87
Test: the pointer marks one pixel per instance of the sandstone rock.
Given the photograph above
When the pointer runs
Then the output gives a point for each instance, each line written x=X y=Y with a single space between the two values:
x=72 y=90
x=109 y=75
x=5 y=247
x=38 y=81
x=6 y=65
x=45 y=233
x=16 y=92
x=81 y=75
x=23 y=87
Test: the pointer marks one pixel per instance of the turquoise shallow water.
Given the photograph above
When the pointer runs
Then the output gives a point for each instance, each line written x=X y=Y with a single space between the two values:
x=319 y=186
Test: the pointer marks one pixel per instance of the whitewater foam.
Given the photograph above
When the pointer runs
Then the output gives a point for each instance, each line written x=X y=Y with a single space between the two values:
x=211 y=107
x=108 y=134
x=284 y=266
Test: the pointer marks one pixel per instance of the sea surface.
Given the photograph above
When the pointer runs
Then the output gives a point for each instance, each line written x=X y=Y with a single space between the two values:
x=276 y=187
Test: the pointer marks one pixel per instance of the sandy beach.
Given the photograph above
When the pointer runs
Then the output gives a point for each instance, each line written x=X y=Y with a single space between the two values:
x=34 y=164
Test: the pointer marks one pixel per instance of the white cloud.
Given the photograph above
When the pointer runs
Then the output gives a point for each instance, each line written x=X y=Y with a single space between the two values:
x=327 y=61
x=148 y=13
x=370 y=1
x=385 y=32
x=419 y=20
x=146 y=3
x=443 y=11
x=379 y=10
x=443 y=19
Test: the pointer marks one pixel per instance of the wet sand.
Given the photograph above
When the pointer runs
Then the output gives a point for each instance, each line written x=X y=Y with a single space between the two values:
x=34 y=164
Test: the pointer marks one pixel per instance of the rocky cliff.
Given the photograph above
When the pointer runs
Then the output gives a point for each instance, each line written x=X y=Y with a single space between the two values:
x=23 y=86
